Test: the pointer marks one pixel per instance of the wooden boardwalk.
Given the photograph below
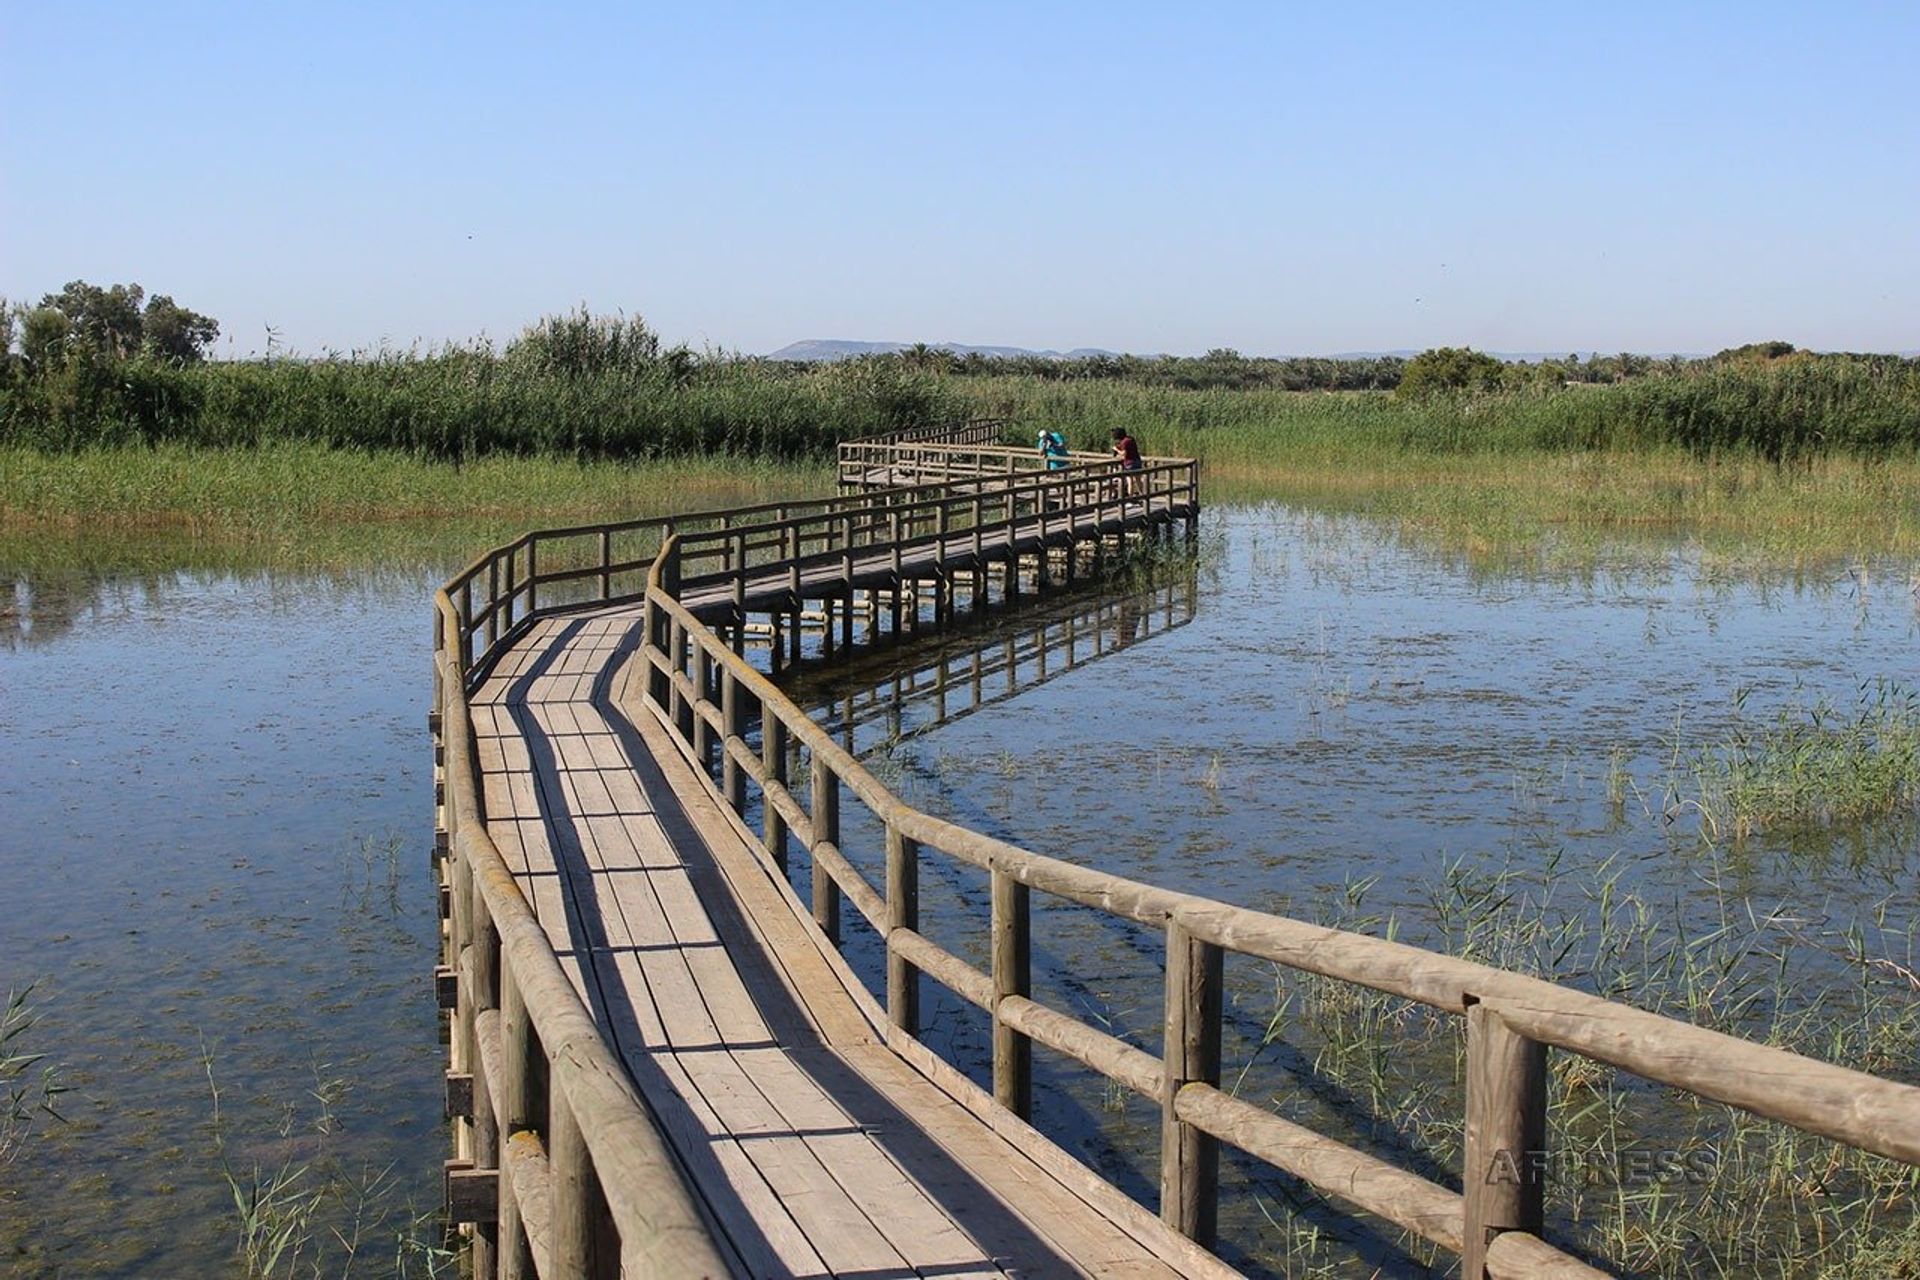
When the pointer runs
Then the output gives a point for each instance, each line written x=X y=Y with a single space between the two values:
x=818 y=1150
x=660 y=1065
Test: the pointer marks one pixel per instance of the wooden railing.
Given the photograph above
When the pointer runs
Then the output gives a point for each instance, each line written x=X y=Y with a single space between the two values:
x=556 y=1150
x=583 y=1172
x=703 y=691
x=869 y=464
x=967 y=431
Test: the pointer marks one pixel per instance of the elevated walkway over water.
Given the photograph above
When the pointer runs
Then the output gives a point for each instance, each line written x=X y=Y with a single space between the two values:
x=661 y=1064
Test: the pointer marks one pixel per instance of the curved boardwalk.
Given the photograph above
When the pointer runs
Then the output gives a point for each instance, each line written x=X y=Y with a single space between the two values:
x=818 y=1150
x=660 y=1063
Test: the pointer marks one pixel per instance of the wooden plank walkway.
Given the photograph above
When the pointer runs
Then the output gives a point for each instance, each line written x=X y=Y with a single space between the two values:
x=816 y=1149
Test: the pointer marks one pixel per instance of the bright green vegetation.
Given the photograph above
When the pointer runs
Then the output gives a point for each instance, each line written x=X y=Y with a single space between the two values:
x=1791 y=408
x=573 y=387
x=1815 y=765
x=1655 y=1181
x=298 y=485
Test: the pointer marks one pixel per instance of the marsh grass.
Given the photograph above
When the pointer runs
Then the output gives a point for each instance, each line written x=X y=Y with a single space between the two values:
x=299 y=487
x=1814 y=765
x=305 y=1214
x=1652 y=1180
x=30 y=1084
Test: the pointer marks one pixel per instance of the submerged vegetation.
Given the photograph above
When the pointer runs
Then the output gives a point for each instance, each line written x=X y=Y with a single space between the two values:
x=1656 y=1181
x=308 y=1214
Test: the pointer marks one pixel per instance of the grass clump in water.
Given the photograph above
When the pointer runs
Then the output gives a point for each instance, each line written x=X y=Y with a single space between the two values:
x=30 y=1086
x=1815 y=766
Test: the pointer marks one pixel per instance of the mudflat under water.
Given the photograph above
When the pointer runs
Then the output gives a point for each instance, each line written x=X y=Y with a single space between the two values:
x=215 y=810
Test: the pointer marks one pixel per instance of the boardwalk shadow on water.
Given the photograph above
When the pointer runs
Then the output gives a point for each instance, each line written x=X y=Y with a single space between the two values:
x=1002 y=1232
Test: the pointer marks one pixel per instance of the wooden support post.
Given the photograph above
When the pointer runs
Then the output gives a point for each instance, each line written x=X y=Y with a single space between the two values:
x=702 y=727
x=1503 y=1170
x=659 y=628
x=825 y=812
x=846 y=581
x=572 y=1193
x=1012 y=976
x=903 y=912
x=518 y=1048
x=606 y=564
x=1189 y=1158
x=683 y=717
x=485 y=969
x=793 y=633
x=733 y=783
x=773 y=759
x=896 y=608
x=493 y=602
x=533 y=572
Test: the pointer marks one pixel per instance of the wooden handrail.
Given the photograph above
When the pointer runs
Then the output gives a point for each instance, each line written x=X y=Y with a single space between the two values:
x=1512 y=1018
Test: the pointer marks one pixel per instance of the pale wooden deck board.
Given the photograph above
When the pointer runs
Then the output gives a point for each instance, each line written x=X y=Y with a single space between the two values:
x=816 y=1160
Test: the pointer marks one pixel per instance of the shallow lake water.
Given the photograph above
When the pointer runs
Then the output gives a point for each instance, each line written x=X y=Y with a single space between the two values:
x=215 y=815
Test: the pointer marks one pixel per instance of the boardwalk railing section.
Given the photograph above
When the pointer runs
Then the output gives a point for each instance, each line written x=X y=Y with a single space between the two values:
x=544 y=1100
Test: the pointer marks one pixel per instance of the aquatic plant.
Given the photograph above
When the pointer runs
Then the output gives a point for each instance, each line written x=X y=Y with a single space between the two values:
x=308 y=1215
x=30 y=1085
x=1814 y=765
x=1657 y=1181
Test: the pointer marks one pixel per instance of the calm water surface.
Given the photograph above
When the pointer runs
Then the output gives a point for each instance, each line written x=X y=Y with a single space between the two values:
x=215 y=814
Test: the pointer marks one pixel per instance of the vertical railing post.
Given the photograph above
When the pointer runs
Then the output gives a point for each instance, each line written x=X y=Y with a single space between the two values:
x=483 y=967
x=1503 y=1170
x=703 y=692
x=733 y=782
x=683 y=716
x=1012 y=976
x=773 y=759
x=606 y=564
x=903 y=912
x=825 y=813
x=533 y=574
x=517 y=1047
x=493 y=601
x=658 y=622
x=1189 y=1158
x=571 y=1190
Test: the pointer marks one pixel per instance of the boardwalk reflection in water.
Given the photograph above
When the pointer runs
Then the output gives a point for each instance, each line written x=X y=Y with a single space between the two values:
x=891 y=695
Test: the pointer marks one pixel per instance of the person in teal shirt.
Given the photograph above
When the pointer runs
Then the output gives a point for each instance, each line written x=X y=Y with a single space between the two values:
x=1053 y=447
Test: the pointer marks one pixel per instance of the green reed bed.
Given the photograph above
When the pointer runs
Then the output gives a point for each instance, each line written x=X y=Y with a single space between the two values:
x=574 y=386
x=295 y=483
x=1785 y=409
x=1654 y=1181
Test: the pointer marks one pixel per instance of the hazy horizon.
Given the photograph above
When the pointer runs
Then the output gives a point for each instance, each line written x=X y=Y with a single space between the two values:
x=1129 y=179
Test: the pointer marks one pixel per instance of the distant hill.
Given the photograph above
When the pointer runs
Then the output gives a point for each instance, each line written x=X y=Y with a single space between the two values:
x=842 y=349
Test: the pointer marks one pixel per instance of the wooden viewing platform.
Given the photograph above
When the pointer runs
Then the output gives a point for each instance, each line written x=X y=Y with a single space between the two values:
x=662 y=1066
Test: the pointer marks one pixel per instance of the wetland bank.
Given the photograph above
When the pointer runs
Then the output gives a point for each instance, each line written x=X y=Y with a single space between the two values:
x=1492 y=702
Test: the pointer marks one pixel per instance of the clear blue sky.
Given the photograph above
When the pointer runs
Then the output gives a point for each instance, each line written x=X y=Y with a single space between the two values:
x=1280 y=179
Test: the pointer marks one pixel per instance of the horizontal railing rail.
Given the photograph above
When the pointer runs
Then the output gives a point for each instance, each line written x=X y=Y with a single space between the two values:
x=965 y=431
x=550 y=1131
x=502 y=590
x=552 y=1107
x=863 y=463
